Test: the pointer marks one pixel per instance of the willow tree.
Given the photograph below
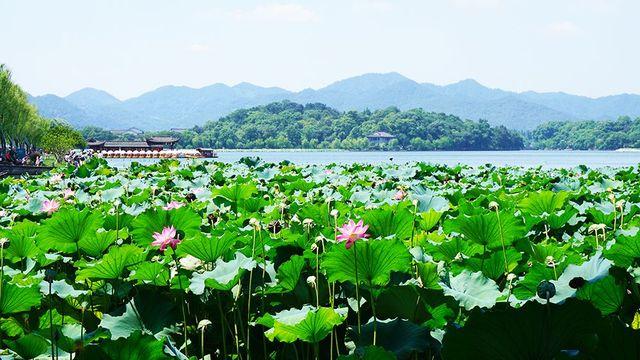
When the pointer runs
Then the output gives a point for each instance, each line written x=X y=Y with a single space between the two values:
x=20 y=123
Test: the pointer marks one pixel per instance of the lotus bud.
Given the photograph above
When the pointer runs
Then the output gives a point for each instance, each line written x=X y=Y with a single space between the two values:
x=311 y=280
x=274 y=226
x=550 y=261
x=493 y=206
x=203 y=324
x=415 y=202
x=620 y=204
x=334 y=213
x=612 y=198
x=255 y=223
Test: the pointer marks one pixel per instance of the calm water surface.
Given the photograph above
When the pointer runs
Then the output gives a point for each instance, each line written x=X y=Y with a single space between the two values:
x=549 y=159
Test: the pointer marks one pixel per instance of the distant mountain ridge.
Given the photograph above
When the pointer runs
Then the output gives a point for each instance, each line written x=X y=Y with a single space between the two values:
x=182 y=106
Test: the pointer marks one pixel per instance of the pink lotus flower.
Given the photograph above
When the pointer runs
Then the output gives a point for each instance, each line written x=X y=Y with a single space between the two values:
x=399 y=195
x=350 y=232
x=173 y=205
x=166 y=238
x=67 y=193
x=50 y=206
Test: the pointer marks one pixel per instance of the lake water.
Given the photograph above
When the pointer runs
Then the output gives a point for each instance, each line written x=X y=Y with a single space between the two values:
x=527 y=158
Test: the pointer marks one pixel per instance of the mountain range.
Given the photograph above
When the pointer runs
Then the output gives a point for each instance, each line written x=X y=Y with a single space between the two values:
x=183 y=107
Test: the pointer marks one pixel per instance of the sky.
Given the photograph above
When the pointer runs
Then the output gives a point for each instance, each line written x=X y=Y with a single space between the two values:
x=125 y=47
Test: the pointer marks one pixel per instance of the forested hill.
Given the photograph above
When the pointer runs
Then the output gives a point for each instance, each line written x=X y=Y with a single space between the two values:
x=171 y=106
x=588 y=135
x=317 y=126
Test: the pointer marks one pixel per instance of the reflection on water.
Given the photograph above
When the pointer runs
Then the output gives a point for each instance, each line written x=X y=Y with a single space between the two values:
x=559 y=158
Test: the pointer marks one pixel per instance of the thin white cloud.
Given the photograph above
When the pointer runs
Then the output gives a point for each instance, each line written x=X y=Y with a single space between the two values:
x=477 y=4
x=373 y=5
x=199 y=48
x=563 y=28
x=278 y=12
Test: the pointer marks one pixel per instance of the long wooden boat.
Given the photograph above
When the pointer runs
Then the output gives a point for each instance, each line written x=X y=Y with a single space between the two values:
x=17 y=170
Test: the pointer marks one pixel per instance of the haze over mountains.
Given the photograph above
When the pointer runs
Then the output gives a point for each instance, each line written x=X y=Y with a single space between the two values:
x=183 y=107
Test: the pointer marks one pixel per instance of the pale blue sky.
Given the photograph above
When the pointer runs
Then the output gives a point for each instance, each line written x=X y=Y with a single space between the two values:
x=127 y=47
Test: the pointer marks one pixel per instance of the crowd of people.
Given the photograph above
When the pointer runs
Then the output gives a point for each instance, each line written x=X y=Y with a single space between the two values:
x=21 y=157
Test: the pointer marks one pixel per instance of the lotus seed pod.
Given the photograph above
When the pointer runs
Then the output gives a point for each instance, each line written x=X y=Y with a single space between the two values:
x=493 y=205
x=546 y=290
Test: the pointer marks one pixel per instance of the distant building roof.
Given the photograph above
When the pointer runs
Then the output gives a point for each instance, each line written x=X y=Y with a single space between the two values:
x=381 y=134
x=162 y=140
x=132 y=130
x=126 y=144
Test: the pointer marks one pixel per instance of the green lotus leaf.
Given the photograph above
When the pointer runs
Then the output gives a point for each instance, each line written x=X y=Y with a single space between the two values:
x=29 y=346
x=604 y=294
x=12 y=327
x=416 y=304
x=486 y=230
x=451 y=249
x=307 y=324
x=428 y=202
x=400 y=337
x=429 y=219
x=97 y=243
x=22 y=243
x=153 y=221
x=428 y=273
x=472 y=290
x=493 y=266
x=376 y=260
x=526 y=287
x=138 y=346
x=112 y=194
x=17 y=299
x=236 y=193
x=369 y=353
x=66 y=228
x=113 y=264
x=592 y=270
x=288 y=275
x=153 y=273
x=625 y=251
x=561 y=218
x=147 y=312
x=543 y=202
x=208 y=249
x=616 y=341
x=534 y=331
x=224 y=276
x=60 y=288
x=388 y=221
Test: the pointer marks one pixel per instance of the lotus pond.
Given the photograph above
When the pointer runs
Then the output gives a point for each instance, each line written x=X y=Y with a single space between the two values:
x=254 y=260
